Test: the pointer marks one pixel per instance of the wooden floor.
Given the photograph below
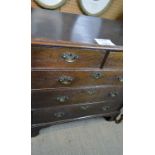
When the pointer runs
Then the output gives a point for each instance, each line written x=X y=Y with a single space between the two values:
x=86 y=137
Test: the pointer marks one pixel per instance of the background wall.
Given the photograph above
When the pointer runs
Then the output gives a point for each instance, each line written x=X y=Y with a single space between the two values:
x=113 y=12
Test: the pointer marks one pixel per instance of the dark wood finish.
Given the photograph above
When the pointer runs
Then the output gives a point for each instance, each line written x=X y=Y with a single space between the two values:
x=57 y=43
x=104 y=59
x=64 y=91
x=72 y=111
x=35 y=131
x=52 y=25
x=51 y=97
x=50 y=79
x=114 y=60
x=36 y=127
x=111 y=117
x=52 y=57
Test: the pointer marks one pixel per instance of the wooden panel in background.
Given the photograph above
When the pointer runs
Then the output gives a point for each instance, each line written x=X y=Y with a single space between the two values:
x=113 y=12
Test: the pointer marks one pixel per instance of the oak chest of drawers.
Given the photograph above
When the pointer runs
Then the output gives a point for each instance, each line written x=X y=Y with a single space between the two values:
x=72 y=76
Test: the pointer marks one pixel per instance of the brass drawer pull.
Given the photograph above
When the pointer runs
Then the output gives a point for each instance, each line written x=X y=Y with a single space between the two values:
x=120 y=79
x=91 y=92
x=113 y=94
x=62 y=98
x=97 y=75
x=59 y=114
x=66 y=80
x=70 y=57
x=105 y=108
x=84 y=107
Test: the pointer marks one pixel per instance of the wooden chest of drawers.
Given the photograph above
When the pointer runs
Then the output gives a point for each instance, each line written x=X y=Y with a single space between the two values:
x=72 y=76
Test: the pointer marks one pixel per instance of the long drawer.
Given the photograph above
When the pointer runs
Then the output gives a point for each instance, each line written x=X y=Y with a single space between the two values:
x=70 y=112
x=56 y=57
x=74 y=78
x=59 y=97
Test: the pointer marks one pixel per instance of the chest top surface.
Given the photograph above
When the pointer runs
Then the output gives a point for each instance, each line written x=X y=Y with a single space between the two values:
x=49 y=26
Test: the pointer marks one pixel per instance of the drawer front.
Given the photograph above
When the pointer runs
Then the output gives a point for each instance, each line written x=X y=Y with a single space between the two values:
x=59 y=97
x=114 y=60
x=56 y=79
x=66 y=57
x=70 y=112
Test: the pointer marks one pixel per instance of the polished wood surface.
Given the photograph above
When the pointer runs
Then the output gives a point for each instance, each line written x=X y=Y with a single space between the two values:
x=72 y=111
x=52 y=57
x=50 y=79
x=52 y=25
x=72 y=76
x=59 y=43
x=114 y=60
x=58 y=97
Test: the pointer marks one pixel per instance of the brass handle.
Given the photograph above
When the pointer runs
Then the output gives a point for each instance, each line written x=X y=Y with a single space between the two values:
x=97 y=75
x=59 y=114
x=70 y=57
x=84 y=107
x=66 y=80
x=113 y=94
x=62 y=98
x=91 y=92
x=120 y=79
x=105 y=108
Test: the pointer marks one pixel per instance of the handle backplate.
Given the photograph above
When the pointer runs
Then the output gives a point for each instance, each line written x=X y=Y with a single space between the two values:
x=59 y=114
x=70 y=57
x=66 y=80
x=62 y=98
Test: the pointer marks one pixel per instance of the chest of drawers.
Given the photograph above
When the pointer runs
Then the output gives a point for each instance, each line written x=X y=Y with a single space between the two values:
x=72 y=76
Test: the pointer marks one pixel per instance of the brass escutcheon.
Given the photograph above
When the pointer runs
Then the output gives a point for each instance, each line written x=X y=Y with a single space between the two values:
x=97 y=75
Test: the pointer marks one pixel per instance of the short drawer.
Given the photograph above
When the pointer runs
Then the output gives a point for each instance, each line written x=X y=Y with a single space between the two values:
x=57 y=79
x=59 y=97
x=56 y=57
x=114 y=60
x=71 y=112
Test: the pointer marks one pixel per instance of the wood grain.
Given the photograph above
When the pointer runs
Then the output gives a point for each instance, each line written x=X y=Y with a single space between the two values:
x=52 y=57
x=73 y=111
x=55 y=26
x=114 y=60
x=97 y=68
x=50 y=79
x=49 y=97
